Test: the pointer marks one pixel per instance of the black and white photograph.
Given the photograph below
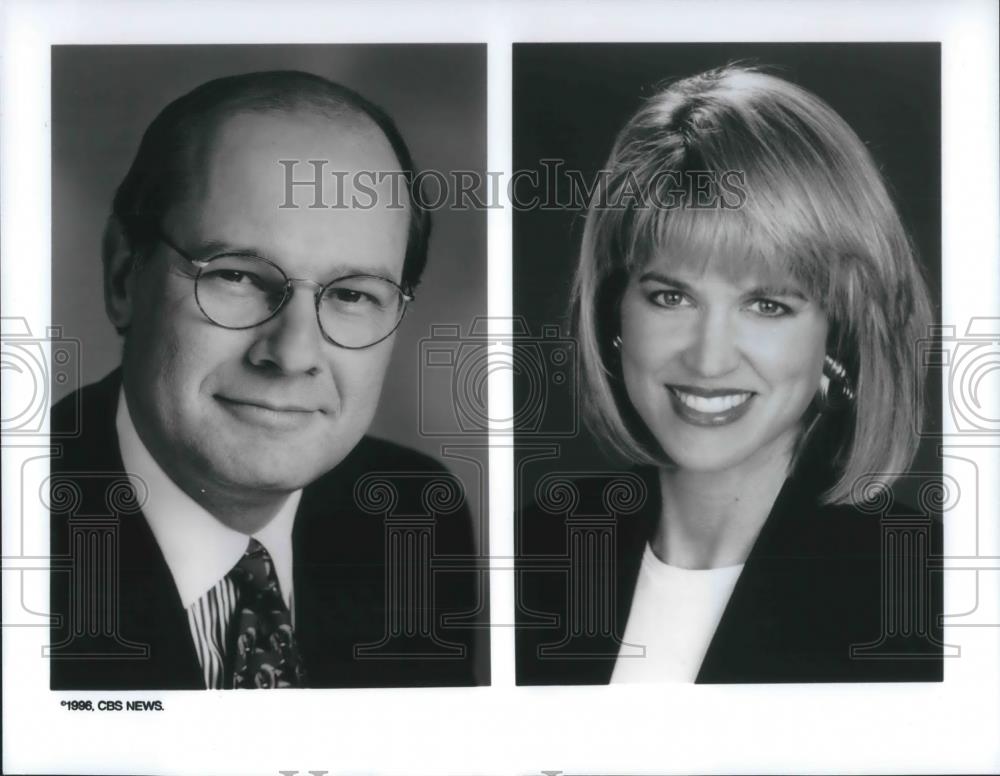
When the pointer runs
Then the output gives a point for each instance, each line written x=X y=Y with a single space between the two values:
x=743 y=291
x=241 y=250
x=524 y=387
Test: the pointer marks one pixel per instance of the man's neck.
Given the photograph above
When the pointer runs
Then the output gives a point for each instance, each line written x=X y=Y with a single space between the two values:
x=242 y=512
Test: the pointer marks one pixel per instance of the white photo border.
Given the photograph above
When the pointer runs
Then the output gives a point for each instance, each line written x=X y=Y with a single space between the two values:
x=919 y=728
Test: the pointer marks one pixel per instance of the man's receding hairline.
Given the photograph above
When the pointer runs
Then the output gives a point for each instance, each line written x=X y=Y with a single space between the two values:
x=202 y=143
x=351 y=119
x=176 y=146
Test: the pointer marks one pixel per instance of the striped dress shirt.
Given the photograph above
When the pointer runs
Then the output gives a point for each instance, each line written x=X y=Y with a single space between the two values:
x=209 y=619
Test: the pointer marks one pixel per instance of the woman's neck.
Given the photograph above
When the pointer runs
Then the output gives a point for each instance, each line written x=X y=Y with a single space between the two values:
x=711 y=519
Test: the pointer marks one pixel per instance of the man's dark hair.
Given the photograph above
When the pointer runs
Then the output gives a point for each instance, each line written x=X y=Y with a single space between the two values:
x=163 y=164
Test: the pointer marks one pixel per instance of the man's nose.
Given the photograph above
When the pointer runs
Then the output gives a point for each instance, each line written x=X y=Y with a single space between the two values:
x=291 y=342
x=712 y=350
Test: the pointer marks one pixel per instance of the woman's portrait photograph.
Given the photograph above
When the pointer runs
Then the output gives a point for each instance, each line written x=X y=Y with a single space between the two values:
x=745 y=256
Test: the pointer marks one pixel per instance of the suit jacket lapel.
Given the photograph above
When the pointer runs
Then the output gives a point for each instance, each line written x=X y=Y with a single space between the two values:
x=146 y=611
x=338 y=570
x=155 y=613
x=808 y=592
x=633 y=532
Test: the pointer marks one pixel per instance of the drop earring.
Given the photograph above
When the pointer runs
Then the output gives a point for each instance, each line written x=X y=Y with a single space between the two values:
x=834 y=384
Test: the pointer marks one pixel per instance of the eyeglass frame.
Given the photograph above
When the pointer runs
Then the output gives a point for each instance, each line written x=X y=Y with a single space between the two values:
x=405 y=294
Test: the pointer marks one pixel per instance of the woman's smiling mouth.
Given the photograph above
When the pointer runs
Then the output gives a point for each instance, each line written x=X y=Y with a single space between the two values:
x=702 y=407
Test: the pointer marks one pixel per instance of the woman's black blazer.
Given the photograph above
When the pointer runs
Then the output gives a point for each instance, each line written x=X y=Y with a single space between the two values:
x=828 y=593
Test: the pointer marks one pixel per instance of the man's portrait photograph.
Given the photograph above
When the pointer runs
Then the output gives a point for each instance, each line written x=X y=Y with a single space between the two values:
x=242 y=246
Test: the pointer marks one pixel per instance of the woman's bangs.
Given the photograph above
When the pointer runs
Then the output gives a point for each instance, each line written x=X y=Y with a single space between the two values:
x=737 y=243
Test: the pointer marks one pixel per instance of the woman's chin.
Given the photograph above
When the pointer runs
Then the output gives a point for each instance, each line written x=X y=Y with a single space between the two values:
x=704 y=462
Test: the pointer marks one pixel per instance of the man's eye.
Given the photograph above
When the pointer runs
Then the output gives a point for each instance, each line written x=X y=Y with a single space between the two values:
x=769 y=308
x=669 y=298
x=349 y=296
x=234 y=276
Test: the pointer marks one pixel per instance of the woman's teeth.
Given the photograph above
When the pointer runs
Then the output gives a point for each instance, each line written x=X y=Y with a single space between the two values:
x=711 y=404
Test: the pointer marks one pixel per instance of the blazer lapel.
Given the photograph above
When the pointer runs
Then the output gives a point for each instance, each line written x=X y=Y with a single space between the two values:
x=753 y=625
x=808 y=592
x=632 y=534
x=142 y=607
x=153 y=613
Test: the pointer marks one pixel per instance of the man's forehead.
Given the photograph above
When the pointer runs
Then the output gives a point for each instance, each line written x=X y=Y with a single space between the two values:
x=348 y=142
x=287 y=183
x=298 y=161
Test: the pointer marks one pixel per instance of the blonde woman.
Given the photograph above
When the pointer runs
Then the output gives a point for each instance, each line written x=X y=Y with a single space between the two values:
x=747 y=305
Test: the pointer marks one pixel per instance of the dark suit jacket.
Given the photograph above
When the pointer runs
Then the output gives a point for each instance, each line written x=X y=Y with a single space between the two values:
x=827 y=594
x=120 y=624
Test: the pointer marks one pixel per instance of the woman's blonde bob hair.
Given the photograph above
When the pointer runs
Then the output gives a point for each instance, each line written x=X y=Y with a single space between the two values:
x=813 y=207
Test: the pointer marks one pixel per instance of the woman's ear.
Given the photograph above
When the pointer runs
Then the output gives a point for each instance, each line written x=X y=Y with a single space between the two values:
x=119 y=271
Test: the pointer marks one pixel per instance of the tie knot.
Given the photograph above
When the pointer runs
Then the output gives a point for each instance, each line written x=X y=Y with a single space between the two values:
x=255 y=570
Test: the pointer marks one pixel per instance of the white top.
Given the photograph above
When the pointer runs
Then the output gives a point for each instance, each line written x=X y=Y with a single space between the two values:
x=674 y=615
x=199 y=550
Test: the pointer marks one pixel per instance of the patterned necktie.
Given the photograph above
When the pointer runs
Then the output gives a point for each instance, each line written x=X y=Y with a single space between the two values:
x=262 y=648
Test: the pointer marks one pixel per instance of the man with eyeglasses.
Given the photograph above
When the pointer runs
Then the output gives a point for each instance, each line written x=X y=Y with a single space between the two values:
x=257 y=333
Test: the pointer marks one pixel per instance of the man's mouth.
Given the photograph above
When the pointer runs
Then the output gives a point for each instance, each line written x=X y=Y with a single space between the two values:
x=266 y=405
x=272 y=416
x=715 y=407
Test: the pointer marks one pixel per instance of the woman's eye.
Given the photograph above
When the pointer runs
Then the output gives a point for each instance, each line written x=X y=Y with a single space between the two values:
x=769 y=308
x=668 y=298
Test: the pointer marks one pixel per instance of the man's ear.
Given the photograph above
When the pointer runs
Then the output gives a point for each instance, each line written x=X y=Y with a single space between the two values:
x=119 y=271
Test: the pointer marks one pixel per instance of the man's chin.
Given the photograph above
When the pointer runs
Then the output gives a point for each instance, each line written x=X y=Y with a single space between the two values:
x=288 y=467
x=247 y=462
x=280 y=477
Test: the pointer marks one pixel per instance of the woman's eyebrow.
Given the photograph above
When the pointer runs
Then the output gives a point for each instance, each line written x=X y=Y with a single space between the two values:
x=667 y=280
x=776 y=290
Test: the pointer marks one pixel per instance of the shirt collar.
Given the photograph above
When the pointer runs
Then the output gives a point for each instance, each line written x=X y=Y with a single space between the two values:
x=198 y=548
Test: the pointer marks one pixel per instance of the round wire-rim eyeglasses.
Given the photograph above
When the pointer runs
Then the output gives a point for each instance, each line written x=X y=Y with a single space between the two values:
x=405 y=296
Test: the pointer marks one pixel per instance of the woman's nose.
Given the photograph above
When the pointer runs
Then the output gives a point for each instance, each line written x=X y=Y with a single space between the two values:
x=712 y=349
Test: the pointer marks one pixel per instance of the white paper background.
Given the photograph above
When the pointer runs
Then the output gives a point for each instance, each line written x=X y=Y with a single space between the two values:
x=502 y=729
